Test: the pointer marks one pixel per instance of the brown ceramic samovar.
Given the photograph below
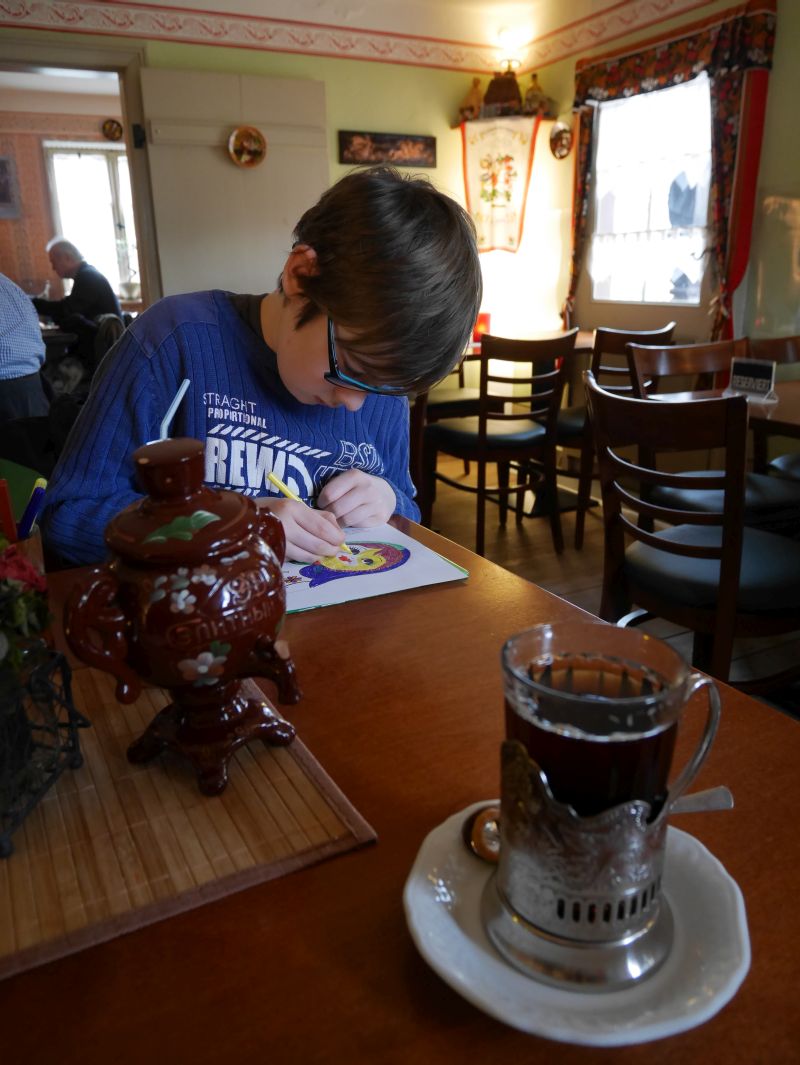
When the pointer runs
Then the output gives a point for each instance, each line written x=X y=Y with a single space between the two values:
x=192 y=600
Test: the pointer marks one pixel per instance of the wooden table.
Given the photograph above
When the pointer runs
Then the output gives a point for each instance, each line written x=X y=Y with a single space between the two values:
x=57 y=341
x=403 y=707
x=779 y=419
x=764 y=419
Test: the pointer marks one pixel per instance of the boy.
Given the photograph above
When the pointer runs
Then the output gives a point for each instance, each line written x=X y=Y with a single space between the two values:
x=377 y=300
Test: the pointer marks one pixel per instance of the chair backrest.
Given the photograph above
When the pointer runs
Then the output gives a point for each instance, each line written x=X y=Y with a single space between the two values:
x=609 y=364
x=649 y=364
x=777 y=349
x=537 y=385
x=110 y=328
x=620 y=422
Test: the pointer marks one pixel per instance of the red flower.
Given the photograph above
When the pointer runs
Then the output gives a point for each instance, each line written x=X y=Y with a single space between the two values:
x=16 y=567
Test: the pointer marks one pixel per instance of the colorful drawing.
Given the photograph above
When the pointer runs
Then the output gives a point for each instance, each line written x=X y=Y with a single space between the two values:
x=364 y=559
x=403 y=562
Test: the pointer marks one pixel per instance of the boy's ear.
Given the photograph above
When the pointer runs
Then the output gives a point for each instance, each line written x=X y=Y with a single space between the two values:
x=302 y=262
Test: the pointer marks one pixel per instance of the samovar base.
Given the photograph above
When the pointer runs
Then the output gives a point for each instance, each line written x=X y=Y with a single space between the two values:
x=208 y=736
x=579 y=965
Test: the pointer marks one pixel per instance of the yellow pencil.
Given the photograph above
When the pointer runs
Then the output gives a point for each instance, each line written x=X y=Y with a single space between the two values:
x=284 y=489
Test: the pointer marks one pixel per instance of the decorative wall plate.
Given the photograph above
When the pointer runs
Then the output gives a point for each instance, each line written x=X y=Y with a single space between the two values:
x=560 y=140
x=247 y=146
x=112 y=129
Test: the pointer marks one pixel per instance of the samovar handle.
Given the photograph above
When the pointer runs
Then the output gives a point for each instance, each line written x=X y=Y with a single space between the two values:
x=93 y=611
x=271 y=530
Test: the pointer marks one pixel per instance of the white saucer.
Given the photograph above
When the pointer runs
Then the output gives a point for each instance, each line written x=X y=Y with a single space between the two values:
x=708 y=961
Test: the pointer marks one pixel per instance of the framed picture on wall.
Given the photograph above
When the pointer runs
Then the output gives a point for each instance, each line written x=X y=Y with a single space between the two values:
x=9 y=189
x=399 y=149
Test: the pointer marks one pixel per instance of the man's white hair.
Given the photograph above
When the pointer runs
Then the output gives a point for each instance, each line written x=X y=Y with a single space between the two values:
x=60 y=244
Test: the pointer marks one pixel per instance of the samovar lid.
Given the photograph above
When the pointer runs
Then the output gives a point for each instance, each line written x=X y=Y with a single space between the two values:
x=179 y=519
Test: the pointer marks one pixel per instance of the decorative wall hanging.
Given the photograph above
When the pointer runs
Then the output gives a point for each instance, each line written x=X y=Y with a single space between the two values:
x=399 y=149
x=498 y=156
x=247 y=146
x=560 y=140
x=9 y=189
x=112 y=129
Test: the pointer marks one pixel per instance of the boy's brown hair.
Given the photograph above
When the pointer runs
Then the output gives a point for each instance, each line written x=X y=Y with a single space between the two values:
x=398 y=264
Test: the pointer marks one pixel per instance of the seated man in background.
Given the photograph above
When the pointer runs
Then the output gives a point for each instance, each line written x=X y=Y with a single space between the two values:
x=91 y=293
x=90 y=297
x=21 y=356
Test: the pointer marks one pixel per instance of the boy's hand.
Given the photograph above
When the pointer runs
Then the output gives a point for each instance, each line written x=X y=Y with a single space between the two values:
x=358 y=499
x=310 y=534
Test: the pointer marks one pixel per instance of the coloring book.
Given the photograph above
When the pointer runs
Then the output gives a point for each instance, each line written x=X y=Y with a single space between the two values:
x=383 y=560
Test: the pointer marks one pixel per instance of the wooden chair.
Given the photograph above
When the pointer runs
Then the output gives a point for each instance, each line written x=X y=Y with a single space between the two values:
x=783 y=351
x=770 y=502
x=704 y=570
x=444 y=401
x=524 y=435
x=455 y=400
x=609 y=367
x=110 y=328
x=703 y=366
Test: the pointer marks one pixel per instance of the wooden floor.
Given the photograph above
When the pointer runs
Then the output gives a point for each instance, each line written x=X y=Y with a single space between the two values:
x=577 y=576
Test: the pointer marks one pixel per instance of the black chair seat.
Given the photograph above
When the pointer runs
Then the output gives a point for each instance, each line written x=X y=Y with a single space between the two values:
x=769 y=577
x=443 y=397
x=463 y=432
x=787 y=465
x=570 y=423
x=455 y=403
x=765 y=498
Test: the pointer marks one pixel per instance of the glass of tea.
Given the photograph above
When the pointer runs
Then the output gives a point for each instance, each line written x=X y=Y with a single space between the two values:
x=597 y=709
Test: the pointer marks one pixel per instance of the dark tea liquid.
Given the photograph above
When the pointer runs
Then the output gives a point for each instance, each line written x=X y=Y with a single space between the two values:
x=595 y=772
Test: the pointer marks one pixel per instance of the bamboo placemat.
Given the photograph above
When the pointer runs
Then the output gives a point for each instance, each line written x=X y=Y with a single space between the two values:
x=113 y=846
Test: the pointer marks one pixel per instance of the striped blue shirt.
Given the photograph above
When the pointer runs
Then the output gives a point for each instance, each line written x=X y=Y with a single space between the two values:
x=21 y=344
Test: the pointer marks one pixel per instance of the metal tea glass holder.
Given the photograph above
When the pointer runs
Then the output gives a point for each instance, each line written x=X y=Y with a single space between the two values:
x=38 y=737
x=576 y=900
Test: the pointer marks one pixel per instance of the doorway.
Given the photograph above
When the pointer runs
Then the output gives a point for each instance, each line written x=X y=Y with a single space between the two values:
x=62 y=137
x=102 y=86
x=90 y=193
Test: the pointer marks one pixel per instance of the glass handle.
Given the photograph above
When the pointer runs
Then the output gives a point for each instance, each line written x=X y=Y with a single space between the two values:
x=687 y=775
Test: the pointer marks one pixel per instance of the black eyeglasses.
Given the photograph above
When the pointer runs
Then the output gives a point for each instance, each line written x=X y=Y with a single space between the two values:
x=336 y=377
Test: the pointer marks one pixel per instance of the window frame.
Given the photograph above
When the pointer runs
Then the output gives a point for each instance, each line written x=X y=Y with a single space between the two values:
x=592 y=313
x=112 y=153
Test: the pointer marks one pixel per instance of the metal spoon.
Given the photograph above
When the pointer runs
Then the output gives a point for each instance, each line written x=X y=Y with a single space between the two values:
x=481 y=832
x=719 y=798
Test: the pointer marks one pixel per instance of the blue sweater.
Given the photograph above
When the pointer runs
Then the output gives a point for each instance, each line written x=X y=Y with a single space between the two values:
x=237 y=405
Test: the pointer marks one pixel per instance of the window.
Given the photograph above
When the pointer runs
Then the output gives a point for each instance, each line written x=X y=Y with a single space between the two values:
x=653 y=170
x=92 y=207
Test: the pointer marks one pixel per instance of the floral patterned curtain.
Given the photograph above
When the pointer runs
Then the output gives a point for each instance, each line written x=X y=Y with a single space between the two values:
x=735 y=48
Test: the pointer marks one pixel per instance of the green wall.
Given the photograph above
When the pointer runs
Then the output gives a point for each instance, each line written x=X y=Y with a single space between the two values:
x=404 y=99
x=376 y=97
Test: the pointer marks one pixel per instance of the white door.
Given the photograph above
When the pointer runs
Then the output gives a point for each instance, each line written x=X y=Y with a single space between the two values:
x=220 y=225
